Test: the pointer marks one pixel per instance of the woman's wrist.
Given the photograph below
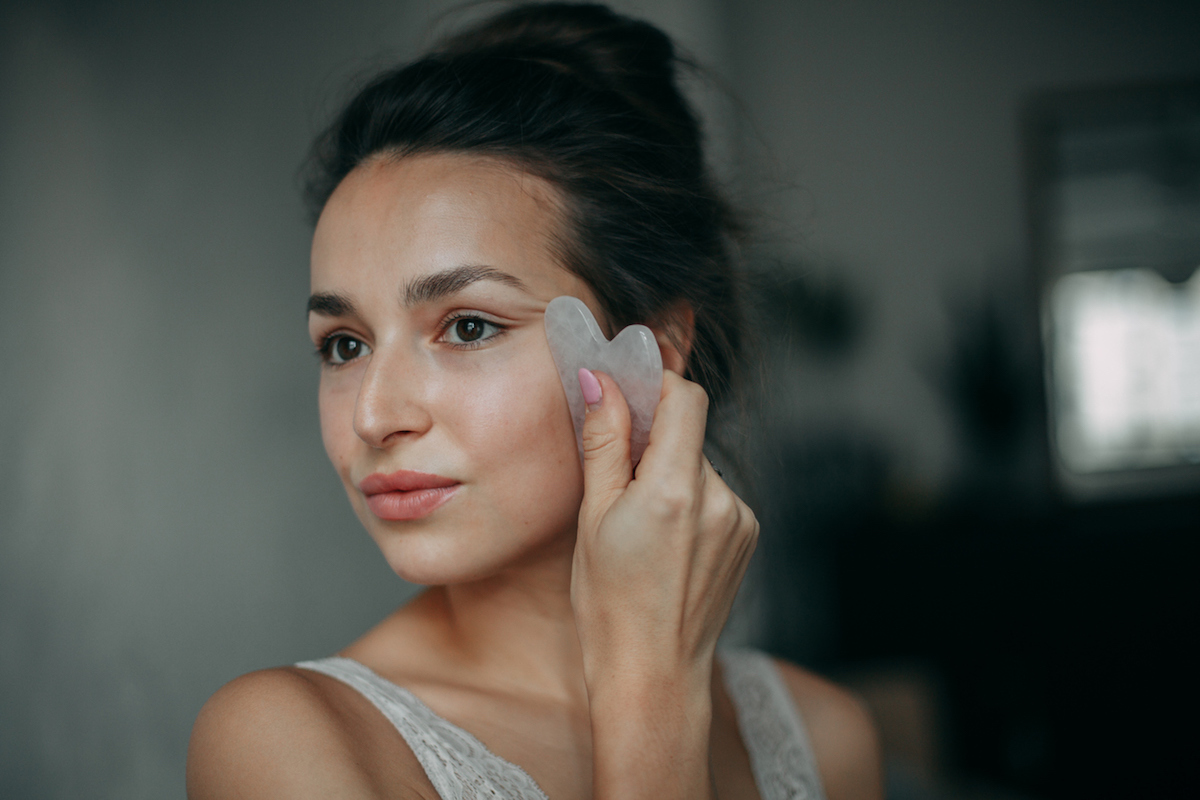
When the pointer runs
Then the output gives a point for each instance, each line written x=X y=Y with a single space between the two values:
x=650 y=733
x=651 y=673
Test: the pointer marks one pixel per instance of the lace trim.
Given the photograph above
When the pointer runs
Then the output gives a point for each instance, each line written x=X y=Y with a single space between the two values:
x=461 y=767
x=780 y=754
x=458 y=765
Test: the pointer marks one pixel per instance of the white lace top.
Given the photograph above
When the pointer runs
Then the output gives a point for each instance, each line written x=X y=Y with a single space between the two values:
x=460 y=767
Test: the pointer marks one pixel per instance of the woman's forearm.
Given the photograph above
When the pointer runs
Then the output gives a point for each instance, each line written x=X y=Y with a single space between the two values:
x=650 y=735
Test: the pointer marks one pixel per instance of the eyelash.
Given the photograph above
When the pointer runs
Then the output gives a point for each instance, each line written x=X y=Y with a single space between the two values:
x=449 y=321
x=325 y=349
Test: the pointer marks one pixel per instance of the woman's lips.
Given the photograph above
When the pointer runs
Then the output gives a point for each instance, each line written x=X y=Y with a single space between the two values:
x=406 y=494
x=408 y=505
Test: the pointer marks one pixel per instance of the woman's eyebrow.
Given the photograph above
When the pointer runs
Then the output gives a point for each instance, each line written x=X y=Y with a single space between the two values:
x=436 y=285
x=330 y=305
x=425 y=289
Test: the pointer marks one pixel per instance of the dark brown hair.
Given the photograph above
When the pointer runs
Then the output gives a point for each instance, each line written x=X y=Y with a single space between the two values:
x=587 y=100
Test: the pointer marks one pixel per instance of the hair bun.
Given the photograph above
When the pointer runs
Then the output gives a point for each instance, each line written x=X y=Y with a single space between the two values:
x=598 y=46
x=589 y=36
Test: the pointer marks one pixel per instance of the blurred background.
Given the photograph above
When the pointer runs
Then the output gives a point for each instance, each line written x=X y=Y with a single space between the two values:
x=977 y=456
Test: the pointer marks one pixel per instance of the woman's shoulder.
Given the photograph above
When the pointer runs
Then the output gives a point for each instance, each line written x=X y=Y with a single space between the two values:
x=841 y=731
x=290 y=732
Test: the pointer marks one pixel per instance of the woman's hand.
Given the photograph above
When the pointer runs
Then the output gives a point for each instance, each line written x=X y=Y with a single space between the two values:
x=658 y=560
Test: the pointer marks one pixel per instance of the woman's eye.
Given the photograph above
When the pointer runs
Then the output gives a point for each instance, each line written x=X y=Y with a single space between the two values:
x=341 y=349
x=468 y=330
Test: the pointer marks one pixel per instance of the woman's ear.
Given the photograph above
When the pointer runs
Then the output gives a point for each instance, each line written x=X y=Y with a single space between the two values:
x=674 y=330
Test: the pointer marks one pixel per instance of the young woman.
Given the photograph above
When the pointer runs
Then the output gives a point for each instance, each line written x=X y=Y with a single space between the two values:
x=566 y=645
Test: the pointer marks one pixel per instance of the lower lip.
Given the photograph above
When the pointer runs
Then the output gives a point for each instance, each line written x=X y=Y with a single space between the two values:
x=409 y=505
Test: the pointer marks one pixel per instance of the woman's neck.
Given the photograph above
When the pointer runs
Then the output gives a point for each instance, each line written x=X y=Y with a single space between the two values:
x=513 y=632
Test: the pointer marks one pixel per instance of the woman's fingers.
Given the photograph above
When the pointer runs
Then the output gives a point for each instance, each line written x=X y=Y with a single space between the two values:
x=659 y=559
x=677 y=433
x=607 y=469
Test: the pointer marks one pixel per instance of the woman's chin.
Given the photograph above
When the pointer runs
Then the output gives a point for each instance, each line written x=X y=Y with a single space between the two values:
x=439 y=560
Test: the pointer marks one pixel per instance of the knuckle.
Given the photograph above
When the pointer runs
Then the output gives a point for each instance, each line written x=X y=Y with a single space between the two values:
x=750 y=531
x=672 y=499
x=596 y=442
x=744 y=523
x=725 y=510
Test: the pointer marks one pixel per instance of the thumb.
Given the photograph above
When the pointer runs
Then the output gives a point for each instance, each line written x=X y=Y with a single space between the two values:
x=607 y=468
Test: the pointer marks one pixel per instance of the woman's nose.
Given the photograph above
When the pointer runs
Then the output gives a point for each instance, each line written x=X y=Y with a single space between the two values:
x=389 y=405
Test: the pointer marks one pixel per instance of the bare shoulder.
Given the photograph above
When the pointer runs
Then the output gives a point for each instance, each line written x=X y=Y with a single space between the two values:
x=842 y=732
x=289 y=732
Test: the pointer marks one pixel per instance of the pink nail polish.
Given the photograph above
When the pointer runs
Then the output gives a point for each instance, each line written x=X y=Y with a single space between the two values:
x=590 y=387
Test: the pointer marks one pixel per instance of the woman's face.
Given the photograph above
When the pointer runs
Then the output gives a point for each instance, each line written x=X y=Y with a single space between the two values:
x=441 y=407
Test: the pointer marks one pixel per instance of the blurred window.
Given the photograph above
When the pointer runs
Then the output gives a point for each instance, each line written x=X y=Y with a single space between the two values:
x=1126 y=370
x=1116 y=194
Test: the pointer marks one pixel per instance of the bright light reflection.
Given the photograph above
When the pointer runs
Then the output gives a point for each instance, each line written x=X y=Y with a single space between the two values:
x=1125 y=370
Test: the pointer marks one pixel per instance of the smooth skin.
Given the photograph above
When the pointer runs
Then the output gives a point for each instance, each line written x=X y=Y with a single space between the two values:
x=573 y=613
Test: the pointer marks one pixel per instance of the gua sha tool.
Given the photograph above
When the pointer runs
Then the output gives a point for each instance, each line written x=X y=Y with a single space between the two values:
x=631 y=358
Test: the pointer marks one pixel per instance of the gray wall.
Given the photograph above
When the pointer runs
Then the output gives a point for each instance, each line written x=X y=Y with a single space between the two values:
x=167 y=517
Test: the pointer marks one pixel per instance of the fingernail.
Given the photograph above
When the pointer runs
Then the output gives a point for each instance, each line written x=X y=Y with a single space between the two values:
x=590 y=387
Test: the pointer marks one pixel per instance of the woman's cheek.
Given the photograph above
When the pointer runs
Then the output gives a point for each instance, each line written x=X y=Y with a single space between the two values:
x=517 y=413
x=491 y=410
x=335 y=403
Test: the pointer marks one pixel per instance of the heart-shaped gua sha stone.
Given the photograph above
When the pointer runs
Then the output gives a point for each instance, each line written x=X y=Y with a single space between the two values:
x=631 y=358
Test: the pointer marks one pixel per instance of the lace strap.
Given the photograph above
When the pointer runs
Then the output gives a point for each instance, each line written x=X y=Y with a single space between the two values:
x=459 y=766
x=780 y=754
